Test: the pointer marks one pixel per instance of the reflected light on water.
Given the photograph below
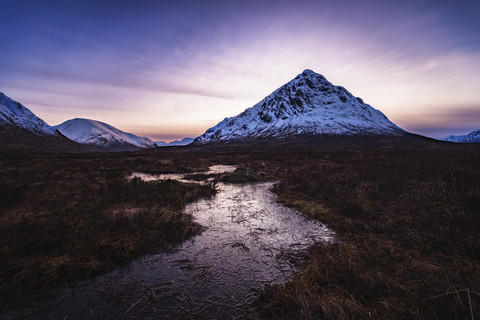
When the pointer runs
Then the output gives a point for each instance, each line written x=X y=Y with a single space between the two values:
x=250 y=241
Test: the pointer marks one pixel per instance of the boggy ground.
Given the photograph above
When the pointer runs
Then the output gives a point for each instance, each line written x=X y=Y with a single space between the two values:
x=407 y=221
x=65 y=218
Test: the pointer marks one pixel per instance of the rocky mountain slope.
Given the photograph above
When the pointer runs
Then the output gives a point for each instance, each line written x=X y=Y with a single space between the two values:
x=307 y=105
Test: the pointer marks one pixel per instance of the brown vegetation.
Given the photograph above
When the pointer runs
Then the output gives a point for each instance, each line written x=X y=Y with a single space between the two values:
x=407 y=219
x=407 y=224
x=67 y=218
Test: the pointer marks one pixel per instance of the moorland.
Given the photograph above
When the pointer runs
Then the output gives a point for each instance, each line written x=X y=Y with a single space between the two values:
x=406 y=215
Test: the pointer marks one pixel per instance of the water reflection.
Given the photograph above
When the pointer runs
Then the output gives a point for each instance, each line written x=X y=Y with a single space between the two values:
x=248 y=242
x=183 y=177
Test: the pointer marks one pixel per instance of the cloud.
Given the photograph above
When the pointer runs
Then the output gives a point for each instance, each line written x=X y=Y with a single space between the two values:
x=79 y=85
x=441 y=122
x=160 y=63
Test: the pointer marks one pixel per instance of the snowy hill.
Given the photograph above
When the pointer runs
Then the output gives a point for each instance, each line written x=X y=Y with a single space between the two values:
x=160 y=143
x=472 y=137
x=15 y=114
x=183 y=142
x=308 y=104
x=97 y=133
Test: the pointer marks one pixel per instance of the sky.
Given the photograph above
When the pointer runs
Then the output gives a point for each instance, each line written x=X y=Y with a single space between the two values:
x=171 y=69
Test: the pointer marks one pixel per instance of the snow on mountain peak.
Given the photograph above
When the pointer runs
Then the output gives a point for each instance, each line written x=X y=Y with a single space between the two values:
x=312 y=74
x=98 y=133
x=308 y=104
x=13 y=113
x=472 y=137
x=183 y=142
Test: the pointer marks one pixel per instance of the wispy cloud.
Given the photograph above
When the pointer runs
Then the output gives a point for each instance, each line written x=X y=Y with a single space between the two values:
x=441 y=122
x=165 y=65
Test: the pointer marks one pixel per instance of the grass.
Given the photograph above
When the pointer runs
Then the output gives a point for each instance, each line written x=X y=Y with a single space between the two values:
x=243 y=175
x=68 y=218
x=407 y=225
x=407 y=221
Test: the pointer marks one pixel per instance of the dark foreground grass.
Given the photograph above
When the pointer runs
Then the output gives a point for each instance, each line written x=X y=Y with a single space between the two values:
x=408 y=226
x=68 y=218
x=407 y=222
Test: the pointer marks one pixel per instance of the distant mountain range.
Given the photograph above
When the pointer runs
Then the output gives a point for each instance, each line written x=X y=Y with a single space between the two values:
x=307 y=105
x=17 y=120
x=472 y=137
x=183 y=142
x=101 y=134
x=21 y=131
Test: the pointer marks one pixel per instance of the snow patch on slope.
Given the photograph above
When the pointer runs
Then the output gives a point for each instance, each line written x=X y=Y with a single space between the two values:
x=472 y=137
x=183 y=142
x=308 y=104
x=13 y=113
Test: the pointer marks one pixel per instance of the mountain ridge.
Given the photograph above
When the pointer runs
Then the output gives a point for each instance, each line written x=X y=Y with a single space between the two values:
x=15 y=114
x=472 y=137
x=308 y=104
x=17 y=123
x=183 y=142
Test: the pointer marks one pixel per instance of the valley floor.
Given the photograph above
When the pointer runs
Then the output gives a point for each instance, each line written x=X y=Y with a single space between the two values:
x=407 y=220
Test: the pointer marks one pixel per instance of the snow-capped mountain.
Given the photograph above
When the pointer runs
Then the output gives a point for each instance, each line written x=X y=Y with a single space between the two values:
x=472 y=137
x=308 y=104
x=94 y=132
x=183 y=142
x=15 y=114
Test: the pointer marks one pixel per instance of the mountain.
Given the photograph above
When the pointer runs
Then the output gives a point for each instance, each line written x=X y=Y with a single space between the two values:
x=22 y=132
x=14 y=114
x=97 y=133
x=472 y=137
x=160 y=143
x=183 y=142
x=307 y=105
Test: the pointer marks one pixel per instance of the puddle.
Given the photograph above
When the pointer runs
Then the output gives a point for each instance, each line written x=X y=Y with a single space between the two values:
x=183 y=177
x=249 y=242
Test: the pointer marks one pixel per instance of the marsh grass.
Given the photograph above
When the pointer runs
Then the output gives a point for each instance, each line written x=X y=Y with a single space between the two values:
x=408 y=225
x=407 y=221
x=243 y=175
x=65 y=220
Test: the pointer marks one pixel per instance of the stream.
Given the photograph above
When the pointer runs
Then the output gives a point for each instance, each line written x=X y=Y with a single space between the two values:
x=250 y=241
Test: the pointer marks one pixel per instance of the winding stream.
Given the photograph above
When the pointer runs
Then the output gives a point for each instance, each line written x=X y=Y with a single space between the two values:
x=249 y=241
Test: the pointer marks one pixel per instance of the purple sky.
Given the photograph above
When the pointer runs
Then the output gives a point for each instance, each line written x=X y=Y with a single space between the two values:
x=170 y=69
